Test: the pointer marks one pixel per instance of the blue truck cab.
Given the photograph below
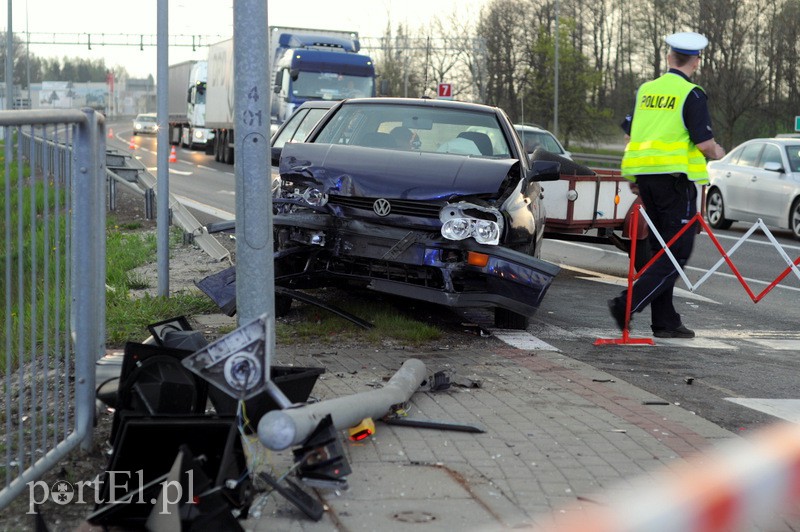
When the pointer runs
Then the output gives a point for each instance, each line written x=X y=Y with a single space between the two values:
x=310 y=66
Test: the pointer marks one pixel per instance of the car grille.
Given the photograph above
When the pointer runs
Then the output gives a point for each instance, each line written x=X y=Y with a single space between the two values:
x=399 y=207
x=390 y=271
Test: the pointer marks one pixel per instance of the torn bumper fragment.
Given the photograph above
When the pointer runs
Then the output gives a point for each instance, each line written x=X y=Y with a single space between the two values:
x=317 y=249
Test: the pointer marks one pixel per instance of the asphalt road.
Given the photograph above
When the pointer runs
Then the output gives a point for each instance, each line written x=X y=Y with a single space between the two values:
x=743 y=351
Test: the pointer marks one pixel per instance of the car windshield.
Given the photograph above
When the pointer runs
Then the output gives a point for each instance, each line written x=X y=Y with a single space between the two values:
x=533 y=139
x=331 y=86
x=793 y=152
x=417 y=128
x=145 y=118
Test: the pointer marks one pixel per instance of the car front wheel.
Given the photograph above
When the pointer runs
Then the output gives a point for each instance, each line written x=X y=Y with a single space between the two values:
x=715 y=210
x=506 y=319
x=794 y=219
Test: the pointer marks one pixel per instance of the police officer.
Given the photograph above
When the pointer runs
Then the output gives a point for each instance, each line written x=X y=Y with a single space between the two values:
x=670 y=139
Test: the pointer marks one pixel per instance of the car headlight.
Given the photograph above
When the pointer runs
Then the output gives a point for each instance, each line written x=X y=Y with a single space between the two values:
x=315 y=197
x=198 y=134
x=464 y=220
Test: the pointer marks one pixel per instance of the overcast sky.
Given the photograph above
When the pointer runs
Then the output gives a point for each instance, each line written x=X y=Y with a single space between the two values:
x=207 y=18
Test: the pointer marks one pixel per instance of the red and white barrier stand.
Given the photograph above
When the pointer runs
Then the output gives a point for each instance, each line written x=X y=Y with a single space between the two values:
x=632 y=276
x=792 y=266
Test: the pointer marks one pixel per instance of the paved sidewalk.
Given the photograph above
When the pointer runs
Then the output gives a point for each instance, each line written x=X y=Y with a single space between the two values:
x=557 y=431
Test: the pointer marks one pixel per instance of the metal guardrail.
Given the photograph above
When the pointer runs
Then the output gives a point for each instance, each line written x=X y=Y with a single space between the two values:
x=596 y=158
x=53 y=288
x=130 y=172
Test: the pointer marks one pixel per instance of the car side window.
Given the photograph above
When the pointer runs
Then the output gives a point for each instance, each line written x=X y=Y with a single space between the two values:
x=291 y=128
x=794 y=157
x=750 y=154
x=771 y=154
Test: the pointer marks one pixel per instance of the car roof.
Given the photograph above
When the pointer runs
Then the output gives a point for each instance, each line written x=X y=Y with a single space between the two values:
x=783 y=141
x=317 y=104
x=149 y=115
x=531 y=128
x=427 y=102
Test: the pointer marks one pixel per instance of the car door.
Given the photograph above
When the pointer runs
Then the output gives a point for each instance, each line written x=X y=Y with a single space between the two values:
x=769 y=189
x=737 y=179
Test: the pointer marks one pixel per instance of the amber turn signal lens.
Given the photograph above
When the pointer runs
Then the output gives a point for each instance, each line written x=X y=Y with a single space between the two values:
x=477 y=259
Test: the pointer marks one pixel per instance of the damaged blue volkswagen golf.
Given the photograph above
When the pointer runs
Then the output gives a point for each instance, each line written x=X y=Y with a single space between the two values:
x=426 y=199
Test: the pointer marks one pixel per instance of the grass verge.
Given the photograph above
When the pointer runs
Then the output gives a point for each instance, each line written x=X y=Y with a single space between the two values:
x=127 y=318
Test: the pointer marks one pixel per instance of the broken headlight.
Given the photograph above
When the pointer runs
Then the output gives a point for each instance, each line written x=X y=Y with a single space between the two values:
x=314 y=197
x=464 y=220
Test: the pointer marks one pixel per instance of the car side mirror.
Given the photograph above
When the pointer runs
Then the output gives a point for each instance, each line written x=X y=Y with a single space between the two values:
x=544 y=171
x=276 y=155
x=773 y=167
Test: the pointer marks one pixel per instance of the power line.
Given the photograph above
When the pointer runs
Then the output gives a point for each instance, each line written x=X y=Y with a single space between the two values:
x=141 y=40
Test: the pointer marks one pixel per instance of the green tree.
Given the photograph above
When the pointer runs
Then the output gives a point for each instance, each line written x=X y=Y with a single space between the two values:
x=577 y=118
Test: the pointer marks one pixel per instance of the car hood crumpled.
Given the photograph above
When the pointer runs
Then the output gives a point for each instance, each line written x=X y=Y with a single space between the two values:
x=368 y=172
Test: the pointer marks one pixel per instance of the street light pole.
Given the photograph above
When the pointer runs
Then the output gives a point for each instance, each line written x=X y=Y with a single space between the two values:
x=555 y=81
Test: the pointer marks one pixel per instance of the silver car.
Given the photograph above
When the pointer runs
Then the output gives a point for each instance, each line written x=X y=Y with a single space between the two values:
x=760 y=178
x=145 y=123
x=534 y=136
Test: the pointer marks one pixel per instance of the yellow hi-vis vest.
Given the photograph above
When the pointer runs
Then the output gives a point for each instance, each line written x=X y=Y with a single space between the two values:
x=660 y=142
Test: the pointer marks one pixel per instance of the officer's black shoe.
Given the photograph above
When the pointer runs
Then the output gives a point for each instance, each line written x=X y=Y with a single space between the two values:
x=617 y=312
x=679 y=332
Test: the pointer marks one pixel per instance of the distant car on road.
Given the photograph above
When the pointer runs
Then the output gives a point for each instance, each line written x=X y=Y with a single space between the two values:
x=145 y=123
x=759 y=178
x=534 y=137
x=426 y=199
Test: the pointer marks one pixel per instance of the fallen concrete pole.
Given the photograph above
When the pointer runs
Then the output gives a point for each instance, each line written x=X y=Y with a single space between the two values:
x=280 y=429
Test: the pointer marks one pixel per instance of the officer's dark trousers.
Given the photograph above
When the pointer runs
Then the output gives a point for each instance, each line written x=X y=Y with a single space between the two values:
x=670 y=202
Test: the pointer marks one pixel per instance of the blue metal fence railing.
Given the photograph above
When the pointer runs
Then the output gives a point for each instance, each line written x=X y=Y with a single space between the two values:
x=53 y=288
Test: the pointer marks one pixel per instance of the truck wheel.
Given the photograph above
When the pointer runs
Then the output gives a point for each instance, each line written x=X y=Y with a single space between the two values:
x=506 y=319
x=715 y=210
x=217 y=150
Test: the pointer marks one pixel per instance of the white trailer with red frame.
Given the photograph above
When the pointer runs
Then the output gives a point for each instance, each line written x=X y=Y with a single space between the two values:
x=594 y=205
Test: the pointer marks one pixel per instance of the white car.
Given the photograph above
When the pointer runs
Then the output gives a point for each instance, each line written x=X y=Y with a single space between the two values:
x=760 y=178
x=533 y=137
x=145 y=123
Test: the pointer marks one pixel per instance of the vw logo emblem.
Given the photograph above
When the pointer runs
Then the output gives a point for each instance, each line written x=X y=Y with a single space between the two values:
x=382 y=207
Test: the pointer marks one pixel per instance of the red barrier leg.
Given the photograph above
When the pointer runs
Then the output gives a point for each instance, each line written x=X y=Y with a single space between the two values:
x=626 y=338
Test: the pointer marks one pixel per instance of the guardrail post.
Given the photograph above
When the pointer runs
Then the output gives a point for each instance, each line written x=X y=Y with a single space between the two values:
x=88 y=270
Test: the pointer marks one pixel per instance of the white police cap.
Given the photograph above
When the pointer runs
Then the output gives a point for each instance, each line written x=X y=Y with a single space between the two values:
x=687 y=43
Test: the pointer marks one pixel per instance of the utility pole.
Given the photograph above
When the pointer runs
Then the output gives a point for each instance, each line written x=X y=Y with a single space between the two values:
x=555 y=81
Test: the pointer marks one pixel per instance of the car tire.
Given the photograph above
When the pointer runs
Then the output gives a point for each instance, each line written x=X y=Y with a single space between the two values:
x=794 y=219
x=715 y=210
x=283 y=304
x=507 y=319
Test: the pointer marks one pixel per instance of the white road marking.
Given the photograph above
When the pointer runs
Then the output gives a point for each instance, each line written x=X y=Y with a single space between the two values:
x=204 y=167
x=686 y=268
x=227 y=192
x=779 y=345
x=154 y=169
x=203 y=207
x=522 y=340
x=788 y=409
